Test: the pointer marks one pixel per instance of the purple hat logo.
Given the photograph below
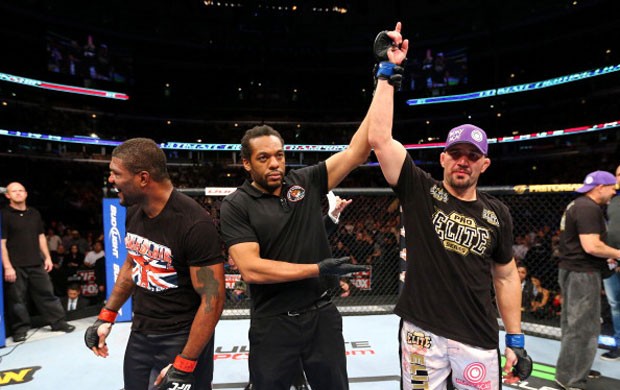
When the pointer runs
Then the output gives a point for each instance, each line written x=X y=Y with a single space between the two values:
x=596 y=178
x=468 y=134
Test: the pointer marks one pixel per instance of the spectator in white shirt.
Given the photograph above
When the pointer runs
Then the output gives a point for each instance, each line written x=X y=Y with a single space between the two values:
x=94 y=255
x=53 y=240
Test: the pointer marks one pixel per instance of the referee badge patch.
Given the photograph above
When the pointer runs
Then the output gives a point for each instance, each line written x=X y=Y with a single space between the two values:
x=295 y=193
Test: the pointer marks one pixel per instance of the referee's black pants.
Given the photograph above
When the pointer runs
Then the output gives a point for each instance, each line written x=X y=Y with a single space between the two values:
x=279 y=343
x=147 y=354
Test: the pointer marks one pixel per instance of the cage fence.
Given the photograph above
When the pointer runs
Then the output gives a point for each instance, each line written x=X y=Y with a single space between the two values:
x=369 y=232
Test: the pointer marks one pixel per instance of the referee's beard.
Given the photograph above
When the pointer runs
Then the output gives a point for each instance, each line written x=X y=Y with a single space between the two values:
x=264 y=183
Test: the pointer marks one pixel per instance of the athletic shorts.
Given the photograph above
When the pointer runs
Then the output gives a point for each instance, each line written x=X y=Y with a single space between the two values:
x=427 y=360
x=146 y=355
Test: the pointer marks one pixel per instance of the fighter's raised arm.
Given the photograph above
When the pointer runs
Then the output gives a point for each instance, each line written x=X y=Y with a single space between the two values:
x=391 y=50
x=389 y=152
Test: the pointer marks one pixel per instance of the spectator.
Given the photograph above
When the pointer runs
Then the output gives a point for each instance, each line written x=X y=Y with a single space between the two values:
x=362 y=249
x=25 y=274
x=58 y=273
x=79 y=241
x=612 y=282
x=53 y=241
x=347 y=288
x=556 y=304
x=73 y=300
x=66 y=238
x=73 y=261
x=90 y=240
x=540 y=305
x=583 y=255
x=95 y=255
x=527 y=288
x=239 y=292
x=538 y=257
x=520 y=248
x=340 y=249
x=95 y=260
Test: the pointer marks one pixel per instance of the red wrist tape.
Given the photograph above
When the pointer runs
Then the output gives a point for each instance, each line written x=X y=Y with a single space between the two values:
x=107 y=315
x=183 y=364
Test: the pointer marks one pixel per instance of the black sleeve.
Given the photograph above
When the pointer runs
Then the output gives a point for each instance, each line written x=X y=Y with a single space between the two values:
x=330 y=226
x=235 y=223
x=203 y=245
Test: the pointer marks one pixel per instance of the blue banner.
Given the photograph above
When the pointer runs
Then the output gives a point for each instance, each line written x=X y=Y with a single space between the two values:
x=115 y=252
x=2 y=322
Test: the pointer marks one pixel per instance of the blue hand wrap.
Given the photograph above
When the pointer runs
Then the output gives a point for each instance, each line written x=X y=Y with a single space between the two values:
x=515 y=340
x=386 y=69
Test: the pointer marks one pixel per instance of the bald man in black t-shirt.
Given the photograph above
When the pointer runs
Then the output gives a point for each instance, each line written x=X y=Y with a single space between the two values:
x=25 y=272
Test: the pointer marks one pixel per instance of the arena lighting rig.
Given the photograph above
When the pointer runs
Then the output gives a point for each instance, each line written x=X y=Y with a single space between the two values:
x=62 y=87
x=304 y=148
x=411 y=102
x=516 y=88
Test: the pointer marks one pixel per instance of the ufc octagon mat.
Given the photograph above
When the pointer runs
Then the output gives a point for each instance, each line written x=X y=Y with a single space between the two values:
x=52 y=360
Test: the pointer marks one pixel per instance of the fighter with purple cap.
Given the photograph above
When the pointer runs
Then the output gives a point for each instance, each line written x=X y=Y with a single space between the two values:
x=459 y=244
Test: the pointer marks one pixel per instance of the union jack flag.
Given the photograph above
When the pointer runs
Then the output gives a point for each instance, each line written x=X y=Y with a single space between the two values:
x=152 y=265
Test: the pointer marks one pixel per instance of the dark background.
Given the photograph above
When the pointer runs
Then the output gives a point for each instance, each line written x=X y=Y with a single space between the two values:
x=199 y=72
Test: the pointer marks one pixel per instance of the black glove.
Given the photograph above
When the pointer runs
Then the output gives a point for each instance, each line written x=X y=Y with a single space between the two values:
x=341 y=266
x=382 y=44
x=180 y=376
x=523 y=368
x=176 y=379
x=394 y=75
x=91 y=338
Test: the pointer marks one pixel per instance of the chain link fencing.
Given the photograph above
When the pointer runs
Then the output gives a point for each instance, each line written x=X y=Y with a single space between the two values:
x=369 y=232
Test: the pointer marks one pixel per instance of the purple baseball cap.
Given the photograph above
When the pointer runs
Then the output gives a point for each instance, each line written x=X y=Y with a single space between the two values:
x=468 y=134
x=597 y=178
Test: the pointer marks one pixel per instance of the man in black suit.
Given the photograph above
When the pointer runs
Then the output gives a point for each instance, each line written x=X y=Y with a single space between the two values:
x=74 y=301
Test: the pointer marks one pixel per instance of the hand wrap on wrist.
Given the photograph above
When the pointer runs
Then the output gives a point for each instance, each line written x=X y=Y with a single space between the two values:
x=515 y=340
x=391 y=72
x=523 y=368
x=184 y=364
x=180 y=375
x=107 y=315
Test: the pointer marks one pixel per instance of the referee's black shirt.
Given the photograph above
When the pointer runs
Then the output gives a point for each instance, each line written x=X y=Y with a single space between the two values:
x=287 y=228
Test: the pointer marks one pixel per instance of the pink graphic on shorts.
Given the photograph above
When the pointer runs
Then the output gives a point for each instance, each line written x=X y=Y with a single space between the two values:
x=475 y=372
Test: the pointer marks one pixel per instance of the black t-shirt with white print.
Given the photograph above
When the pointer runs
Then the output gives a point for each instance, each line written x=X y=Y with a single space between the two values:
x=452 y=246
x=163 y=248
